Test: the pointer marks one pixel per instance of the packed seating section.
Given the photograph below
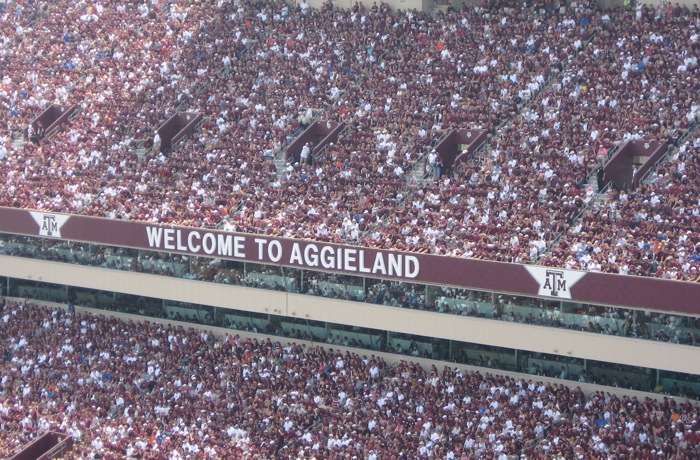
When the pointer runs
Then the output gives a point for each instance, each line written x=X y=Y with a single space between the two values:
x=128 y=389
x=557 y=90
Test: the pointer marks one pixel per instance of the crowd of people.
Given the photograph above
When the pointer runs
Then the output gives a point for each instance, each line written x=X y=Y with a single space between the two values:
x=147 y=390
x=557 y=88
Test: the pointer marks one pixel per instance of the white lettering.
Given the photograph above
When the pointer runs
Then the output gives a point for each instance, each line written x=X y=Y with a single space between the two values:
x=169 y=241
x=295 y=257
x=379 y=267
x=412 y=266
x=327 y=259
x=261 y=247
x=350 y=258
x=209 y=243
x=155 y=234
x=274 y=251
x=395 y=264
x=180 y=245
x=194 y=247
x=225 y=245
x=238 y=246
x=363 y=268
x=311 y=255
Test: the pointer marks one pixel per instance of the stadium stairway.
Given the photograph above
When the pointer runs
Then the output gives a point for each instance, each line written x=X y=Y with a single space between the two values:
x=483 y=151
x=17 y=141
x=650 y=175
x=419 y=174
x=281 y=156
x=50 y=444
x=280 y=164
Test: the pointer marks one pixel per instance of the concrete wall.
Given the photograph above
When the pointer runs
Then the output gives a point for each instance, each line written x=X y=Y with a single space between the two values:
x=645 y=353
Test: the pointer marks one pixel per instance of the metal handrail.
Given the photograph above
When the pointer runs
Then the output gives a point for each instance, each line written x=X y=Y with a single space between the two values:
x=478 y=154
x=654 y=168
x=606 y=159
x=415 y=170
x=56 y=129
x=327 y=105
x=691 y=129
x=14 y=135
x=580 y=214
x=321 y=153
x=313 y=427
x=185 y=140
x=379 y=224
x=57 y=451
x=220 y=224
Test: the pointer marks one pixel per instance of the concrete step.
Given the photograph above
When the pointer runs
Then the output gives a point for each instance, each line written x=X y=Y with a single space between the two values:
x=281 y=165
x=17 y=144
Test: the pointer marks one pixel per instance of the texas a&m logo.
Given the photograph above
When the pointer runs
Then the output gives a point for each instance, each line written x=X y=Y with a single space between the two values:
x=49 y=227
x=555 y=282
x=49 y=224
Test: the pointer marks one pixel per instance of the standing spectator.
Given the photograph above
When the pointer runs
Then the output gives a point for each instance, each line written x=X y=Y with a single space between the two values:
x=39 y=132
x=156 y=143
x=600 y=176
x=36 y=133
x=432 y=159
x=438 y=168
x=306 y=154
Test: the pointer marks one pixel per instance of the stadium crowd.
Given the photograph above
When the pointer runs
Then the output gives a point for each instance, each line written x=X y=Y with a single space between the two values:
x=146 y=390
x=558 y=89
